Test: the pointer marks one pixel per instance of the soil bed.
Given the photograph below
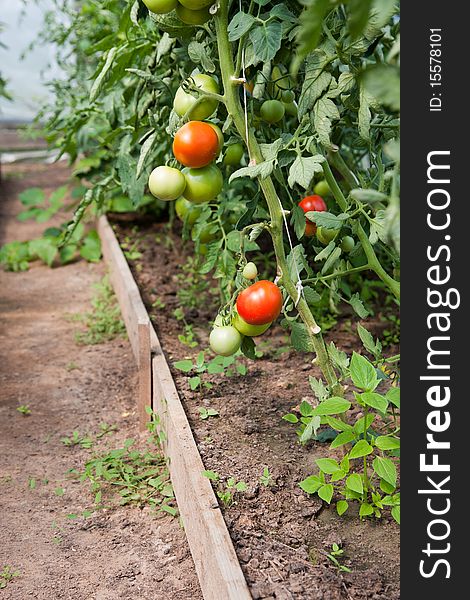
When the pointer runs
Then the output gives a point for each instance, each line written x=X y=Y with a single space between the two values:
x=281 y=536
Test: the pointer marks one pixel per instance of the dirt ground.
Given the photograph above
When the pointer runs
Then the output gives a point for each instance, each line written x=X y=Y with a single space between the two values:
x=281 y=536
x=117 y=553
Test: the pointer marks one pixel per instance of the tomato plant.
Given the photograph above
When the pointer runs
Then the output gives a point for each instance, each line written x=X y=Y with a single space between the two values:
x=303 y=94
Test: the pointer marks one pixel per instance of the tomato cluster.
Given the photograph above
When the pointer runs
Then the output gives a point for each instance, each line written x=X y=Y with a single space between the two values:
x=257 y=306
x=190 y=12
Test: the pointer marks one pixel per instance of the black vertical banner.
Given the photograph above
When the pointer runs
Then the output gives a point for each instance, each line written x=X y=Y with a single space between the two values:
x=435 y=252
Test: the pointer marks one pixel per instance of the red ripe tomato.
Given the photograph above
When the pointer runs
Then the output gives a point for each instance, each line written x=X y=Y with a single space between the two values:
x=196 y=144
x=308 y=204
x=260 y=303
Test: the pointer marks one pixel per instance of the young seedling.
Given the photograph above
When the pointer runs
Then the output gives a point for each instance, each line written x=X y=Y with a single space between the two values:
x=217 y=365
x=7 y=575
x=266 y=478
x=226 y=490
x=24 y=410
x=205 y=413
x=104 y=322
x=76 y=439
x=334 y=555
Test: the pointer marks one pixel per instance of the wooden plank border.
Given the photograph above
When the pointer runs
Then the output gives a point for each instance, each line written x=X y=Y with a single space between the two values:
x=217 y=566
x=133 y=312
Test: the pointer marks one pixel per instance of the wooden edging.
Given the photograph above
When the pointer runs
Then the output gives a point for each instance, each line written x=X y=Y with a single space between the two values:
x=133 y=312
x=219 y=572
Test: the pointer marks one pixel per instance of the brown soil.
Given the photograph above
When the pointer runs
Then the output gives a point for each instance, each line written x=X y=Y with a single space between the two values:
x=281 y=535
x=123 y=552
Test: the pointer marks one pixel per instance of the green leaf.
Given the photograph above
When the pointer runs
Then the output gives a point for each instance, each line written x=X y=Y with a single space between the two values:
x=324 y=113
x=382 y=82
x=290 y=418
x=362 y=448
x=327 y=465
x=326 y=492
x=358 y=306
x=310 y=430
x=366 y=510
x=306 y=409
x=358 y=16
x=343 y=438
x=310 y=29
x=363 y=373
x=91 y=247
x=311 y=484
x=339 y=358
x=326 y=219
x=266 y=40
x=354 y=483
x=239 y=26
x=248 y=348
x=341 y=507
x=385 y=469
x=45 y=249
x=368 y=196
x=318 y=388
x=300 y=337
x=303 y=169
x=184 y=365
x=367 y=340
x=396 y=514
x=385 y=442
x=99 y=80
x=311 y=296
x=262 y=170
x=374 y=400
x=212 y=475
x=332 y=406
x=32 y=197
x=393 y=396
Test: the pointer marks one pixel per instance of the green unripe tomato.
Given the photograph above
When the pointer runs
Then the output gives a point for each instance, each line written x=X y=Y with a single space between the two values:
x=291 y=109
x=161 y=7
x=183 y=101
x=249 y=330
x=219 y=133
x=196 y=4
x=203 y=185
x=234 y=154
x=186 y=210
x=287 y=96
x=325 y=236
x=322 y=188
x=192 y=17
x=347 y=244
x=166 y=183
x=225 y=340
x=272 y=111
x=250 y=271
x=207 y=234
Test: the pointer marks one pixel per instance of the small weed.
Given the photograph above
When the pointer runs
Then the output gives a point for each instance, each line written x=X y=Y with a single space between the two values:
x=59 y=491
x=130 y=247
x=104 y=322
x=158 y=304
x=391 y=335
x=71 y=366
x=334 y=555
x=106 y=429
x=32 y=483
x=226 y=491
x=7 y=575
x=139 y=476
x=266 y=478
x=220 y=364
x=193 y=288
x=24 y=410
x=188 y=338
x=76 y=439
x=205 y=413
